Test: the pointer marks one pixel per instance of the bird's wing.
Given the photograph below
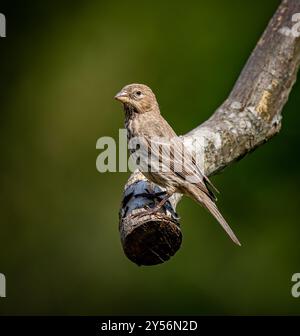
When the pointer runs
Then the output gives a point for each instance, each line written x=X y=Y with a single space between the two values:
x=175 y=156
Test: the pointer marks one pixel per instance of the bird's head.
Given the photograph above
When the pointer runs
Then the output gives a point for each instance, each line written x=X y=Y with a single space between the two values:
x=137 y=97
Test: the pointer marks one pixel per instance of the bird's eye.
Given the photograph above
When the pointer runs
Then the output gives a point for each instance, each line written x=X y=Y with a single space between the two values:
x=138 y=93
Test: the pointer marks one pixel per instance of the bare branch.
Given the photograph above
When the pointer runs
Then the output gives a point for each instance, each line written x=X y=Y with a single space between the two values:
x=249 y=117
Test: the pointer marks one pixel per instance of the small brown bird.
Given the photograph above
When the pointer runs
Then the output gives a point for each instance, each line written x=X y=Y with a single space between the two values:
x=143 y=120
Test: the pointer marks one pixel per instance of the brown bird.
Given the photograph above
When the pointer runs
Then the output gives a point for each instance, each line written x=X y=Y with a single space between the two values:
x=144 y=121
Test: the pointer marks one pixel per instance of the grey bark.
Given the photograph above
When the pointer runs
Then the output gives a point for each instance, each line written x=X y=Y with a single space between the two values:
x=249 y=117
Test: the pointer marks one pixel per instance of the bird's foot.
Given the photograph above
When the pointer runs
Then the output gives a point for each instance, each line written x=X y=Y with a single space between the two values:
x=151 y=211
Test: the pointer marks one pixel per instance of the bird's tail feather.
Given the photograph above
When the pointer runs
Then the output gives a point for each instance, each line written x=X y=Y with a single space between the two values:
x=205 y=201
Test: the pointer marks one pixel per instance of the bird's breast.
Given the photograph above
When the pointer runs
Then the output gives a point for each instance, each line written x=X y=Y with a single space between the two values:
x=132 y=128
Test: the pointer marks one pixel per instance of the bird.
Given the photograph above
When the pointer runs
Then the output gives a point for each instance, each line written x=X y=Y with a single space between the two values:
x=143 y=120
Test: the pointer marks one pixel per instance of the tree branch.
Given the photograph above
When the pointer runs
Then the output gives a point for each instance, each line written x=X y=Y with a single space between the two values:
x=249 y=117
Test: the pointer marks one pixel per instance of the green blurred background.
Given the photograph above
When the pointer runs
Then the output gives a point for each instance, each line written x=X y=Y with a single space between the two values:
x=60 y=66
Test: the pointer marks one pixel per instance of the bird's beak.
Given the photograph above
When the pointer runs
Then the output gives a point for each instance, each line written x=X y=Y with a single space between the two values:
x=121 y=96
